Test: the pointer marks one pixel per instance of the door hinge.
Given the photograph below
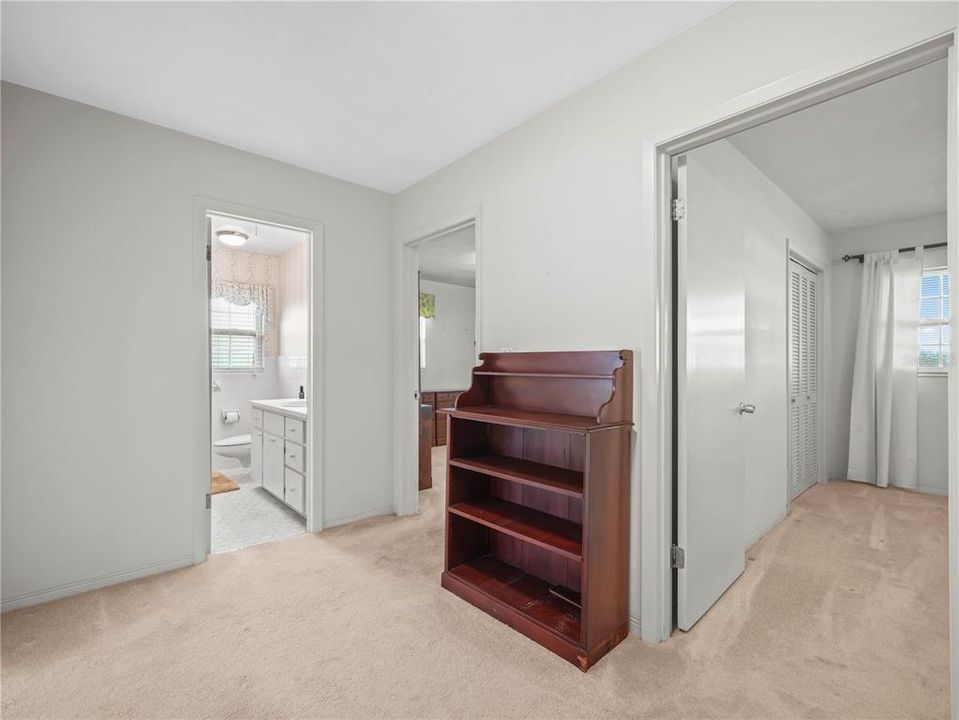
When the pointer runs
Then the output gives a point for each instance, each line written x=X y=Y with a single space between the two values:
x=209 y=253
x=679 y=208
x=677 y=557
x=209 y=501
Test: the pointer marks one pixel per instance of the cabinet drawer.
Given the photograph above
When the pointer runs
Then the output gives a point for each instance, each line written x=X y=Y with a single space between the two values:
x=295 y=430
x=273 y=423
x=294 y=457
x=257 y=415
x=293 y=490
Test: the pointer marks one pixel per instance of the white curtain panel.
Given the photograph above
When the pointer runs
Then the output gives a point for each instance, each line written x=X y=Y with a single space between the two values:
x=884 y=413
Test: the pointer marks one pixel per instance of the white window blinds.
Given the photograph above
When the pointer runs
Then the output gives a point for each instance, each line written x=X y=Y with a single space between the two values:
x=236 y=335
x=934 y=333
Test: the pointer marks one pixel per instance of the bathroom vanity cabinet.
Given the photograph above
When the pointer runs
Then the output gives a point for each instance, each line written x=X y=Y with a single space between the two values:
x=278 y=451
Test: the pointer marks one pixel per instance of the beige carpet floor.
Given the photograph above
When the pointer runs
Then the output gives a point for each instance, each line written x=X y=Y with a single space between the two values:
x=842 y=613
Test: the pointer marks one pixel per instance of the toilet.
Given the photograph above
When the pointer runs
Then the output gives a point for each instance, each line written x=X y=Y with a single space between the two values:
x=237 y=447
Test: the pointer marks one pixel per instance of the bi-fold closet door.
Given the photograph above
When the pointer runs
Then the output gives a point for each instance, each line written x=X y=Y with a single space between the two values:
x=803 y=378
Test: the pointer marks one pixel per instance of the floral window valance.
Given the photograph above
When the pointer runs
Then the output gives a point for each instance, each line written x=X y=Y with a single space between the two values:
x=240 y=293
x=427 y=305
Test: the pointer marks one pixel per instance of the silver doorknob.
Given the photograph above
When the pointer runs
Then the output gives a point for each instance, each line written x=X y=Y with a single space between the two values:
x=746 y=408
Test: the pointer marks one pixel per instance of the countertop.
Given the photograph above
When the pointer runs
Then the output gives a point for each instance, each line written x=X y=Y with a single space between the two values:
x=281 y=407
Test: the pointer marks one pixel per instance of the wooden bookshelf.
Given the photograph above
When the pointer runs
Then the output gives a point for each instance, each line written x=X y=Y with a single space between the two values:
x=537 y=502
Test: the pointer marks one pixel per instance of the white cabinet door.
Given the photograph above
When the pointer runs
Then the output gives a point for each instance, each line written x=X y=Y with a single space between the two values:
x=710 y=360
x=273 y=464
x=293 y=494
x=256 y=456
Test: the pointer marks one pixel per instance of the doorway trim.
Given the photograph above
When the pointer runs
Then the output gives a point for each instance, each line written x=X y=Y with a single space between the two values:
x=406 y=497
x=882 y=58
x=201 y=413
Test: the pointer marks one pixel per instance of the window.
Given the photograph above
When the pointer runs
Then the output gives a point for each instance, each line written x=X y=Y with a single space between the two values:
x=236 y=335
x=934 y=320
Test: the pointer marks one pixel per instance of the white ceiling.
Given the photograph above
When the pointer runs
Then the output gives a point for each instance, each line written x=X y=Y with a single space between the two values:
x=874 y=156
x=264 y=239
x=450 y=258
x=382 y=94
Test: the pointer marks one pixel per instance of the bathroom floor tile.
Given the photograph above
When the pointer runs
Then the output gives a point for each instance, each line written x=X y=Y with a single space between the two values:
x=250 y=516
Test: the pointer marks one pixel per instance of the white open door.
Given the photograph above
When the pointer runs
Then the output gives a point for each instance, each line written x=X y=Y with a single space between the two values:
x=710 y=366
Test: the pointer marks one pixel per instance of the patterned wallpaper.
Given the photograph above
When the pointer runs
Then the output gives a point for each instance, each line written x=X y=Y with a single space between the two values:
x=294 y=299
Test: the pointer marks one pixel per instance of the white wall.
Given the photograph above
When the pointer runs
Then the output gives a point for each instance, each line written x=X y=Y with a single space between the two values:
x=566 y=260
x=846 y=282
x=98 y=438
x=450 y=337
x=773 y=224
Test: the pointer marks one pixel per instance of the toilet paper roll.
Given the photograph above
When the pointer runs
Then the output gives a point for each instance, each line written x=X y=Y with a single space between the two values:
x=230 y=416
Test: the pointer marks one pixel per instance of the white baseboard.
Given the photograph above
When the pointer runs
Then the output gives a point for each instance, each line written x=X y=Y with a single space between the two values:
x=355 y=517
x=758 y=534
x=634 y=627
x=80 y=586
x=927 y=489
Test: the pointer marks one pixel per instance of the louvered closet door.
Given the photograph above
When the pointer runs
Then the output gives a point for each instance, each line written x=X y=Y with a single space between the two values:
x=803 y=379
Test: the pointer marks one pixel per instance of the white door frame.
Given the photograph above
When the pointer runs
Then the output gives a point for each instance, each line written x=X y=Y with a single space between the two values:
x=406 y=498
x=201 y=409
x=883 y=57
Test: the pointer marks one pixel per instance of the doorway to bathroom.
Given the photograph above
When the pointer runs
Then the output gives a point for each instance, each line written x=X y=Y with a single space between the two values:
x=259 y=353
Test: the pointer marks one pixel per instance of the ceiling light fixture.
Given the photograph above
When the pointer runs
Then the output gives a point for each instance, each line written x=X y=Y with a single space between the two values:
x=232 y=237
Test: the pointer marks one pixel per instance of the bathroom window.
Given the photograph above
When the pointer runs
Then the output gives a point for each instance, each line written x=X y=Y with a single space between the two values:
x=236 y=336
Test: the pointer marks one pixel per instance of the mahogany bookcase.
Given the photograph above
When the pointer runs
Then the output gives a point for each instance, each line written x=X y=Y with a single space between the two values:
x=537 y=499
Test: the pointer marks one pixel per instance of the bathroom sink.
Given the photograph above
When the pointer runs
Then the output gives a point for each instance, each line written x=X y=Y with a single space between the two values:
x=294 y=403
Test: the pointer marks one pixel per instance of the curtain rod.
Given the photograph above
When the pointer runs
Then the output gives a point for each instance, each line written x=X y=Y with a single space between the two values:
x=860 y=256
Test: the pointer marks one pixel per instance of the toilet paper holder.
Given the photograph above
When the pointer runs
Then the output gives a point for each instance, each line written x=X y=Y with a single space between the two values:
x=230 y=416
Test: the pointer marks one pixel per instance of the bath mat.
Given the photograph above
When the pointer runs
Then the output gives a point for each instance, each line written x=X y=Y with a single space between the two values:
x=220 y=483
